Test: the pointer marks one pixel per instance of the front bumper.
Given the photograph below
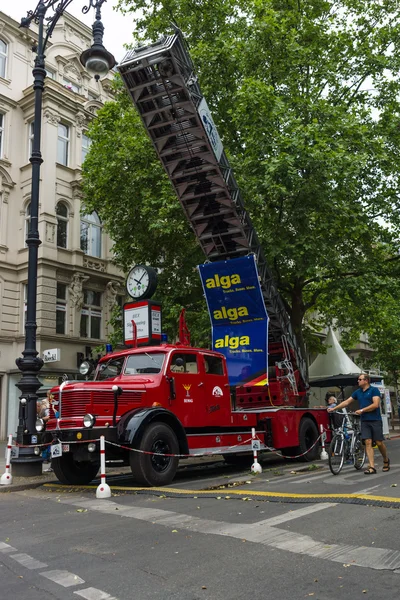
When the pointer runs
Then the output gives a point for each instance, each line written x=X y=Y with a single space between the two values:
x=79 y=435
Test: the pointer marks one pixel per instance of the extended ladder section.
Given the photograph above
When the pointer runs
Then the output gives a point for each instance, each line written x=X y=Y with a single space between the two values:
x=161 y=81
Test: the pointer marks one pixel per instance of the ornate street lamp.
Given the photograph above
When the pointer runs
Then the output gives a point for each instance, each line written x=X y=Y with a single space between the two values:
x=98 y=62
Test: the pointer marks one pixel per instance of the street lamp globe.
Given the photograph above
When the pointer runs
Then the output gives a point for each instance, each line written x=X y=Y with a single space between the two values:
x=97 y=61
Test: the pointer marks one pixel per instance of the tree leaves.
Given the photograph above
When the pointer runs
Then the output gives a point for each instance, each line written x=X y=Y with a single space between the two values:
x=306 y=100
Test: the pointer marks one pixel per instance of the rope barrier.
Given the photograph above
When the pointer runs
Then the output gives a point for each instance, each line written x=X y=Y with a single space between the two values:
x=197 y=455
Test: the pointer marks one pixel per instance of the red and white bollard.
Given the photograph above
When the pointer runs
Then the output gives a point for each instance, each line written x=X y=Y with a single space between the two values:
x=324 y=454
x=6 y=478
x=255 y=444
x=103 y=490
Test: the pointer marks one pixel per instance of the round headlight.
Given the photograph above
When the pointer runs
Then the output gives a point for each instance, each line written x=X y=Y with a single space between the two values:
x=39 y=425
x=91 y=447
x=89 y=420
x=36 y=450
x=85 y=368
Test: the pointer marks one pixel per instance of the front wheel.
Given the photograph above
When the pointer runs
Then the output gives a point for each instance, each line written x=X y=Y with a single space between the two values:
x=155 y=465
x=359 y=453
x=337 y=452
x=73 y=472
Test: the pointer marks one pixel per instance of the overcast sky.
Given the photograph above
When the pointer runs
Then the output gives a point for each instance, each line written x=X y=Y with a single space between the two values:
x=118 y=28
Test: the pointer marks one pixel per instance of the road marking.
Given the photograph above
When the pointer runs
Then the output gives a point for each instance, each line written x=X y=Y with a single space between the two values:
x=261 y=532
x=94 y=594
x=64 y=578
x=7 y=548
x=295 y=514
x=28 y=561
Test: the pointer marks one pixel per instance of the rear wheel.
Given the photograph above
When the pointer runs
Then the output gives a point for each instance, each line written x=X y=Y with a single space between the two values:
x=359 y=453
x=337 y=453
x=308 y=436
x=156 y=468
x=67 y=470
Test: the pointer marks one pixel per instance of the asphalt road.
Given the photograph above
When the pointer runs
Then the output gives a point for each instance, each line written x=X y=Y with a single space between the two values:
x=61 y=543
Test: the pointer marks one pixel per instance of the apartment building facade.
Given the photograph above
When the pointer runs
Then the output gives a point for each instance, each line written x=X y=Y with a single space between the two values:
x=77 y=284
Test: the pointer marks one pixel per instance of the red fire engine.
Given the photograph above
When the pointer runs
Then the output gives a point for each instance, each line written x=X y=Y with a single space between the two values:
x=155 y=403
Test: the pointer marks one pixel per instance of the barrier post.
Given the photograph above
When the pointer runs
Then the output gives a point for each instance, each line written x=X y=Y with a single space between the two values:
x=255 y=445
x=324 y=454
x=6 y=478
x=103 y=490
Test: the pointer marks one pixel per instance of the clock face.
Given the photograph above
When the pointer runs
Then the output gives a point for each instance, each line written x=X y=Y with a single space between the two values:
x=141 y=282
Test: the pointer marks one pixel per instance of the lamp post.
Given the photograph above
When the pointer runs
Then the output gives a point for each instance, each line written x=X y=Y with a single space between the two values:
x=97 y=62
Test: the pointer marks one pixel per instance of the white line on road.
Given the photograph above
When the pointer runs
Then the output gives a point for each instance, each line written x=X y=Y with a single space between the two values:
x=295 y=514
x=6 y=548
x=94 y=594
x=28 y=561
x=64 y=578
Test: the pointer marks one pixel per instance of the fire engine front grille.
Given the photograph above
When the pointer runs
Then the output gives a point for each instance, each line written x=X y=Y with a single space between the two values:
x=76 y=403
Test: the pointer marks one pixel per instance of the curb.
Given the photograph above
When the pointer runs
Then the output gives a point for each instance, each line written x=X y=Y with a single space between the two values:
x=18 y=487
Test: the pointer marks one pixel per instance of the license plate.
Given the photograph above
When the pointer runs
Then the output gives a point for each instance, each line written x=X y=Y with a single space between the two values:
x=65 y=448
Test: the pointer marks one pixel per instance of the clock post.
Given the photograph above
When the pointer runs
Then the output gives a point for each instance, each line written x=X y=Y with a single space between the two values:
x=142 y=317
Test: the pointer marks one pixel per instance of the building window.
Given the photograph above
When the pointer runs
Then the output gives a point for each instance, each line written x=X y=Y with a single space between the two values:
x=91 y=235
x=91 y=315
x=70 y=85
x=62 y=225
x=63 y=144
x=61 y=308
x=1 y=134
x=27 y=222
x=50 y=74
x=30 y=138
x=86 y=143
x=3 y=58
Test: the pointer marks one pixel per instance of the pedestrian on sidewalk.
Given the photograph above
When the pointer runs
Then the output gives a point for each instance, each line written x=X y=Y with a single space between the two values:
x=371 y=421
x=43 y=412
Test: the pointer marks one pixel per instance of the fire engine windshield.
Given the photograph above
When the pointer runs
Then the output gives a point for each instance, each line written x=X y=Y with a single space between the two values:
x=137 y=364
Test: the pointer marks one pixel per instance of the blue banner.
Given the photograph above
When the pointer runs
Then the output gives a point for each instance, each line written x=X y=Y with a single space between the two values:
x=238 y=317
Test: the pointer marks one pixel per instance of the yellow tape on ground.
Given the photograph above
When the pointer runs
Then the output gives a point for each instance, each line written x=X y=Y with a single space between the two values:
x=230 y=492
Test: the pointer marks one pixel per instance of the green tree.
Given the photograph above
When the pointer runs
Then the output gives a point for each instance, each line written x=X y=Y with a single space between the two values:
x=305 y=97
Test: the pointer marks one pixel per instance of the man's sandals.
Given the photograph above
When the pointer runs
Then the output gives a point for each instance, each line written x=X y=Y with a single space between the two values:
x=386 y=465
x=370 y=471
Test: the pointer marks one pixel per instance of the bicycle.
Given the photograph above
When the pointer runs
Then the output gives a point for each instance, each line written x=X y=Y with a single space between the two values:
x=346 y=444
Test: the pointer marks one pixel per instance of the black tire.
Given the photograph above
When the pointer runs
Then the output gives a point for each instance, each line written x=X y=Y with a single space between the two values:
x=337 y=453
x=308 y=435
x=69 y=471
x=153 y=469
x=359 y=453
x=239 y=460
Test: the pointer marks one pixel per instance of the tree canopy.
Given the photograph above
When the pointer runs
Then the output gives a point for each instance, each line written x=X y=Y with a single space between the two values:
x=305 y=95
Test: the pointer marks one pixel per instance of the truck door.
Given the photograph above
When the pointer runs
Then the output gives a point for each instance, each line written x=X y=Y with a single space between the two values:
x=189 y=387
x=217 y=407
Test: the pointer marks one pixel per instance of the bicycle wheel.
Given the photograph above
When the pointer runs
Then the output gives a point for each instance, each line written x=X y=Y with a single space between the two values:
x=359 y=453
x=337 y=452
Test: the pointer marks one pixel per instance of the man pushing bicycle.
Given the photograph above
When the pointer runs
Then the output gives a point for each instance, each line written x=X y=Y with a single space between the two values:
x=371 y=420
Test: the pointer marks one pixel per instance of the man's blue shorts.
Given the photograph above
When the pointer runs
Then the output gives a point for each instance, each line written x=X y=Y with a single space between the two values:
x=372 y=430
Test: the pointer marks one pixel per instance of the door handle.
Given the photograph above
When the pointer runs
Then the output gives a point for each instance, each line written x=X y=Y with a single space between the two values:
x=200 y=384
